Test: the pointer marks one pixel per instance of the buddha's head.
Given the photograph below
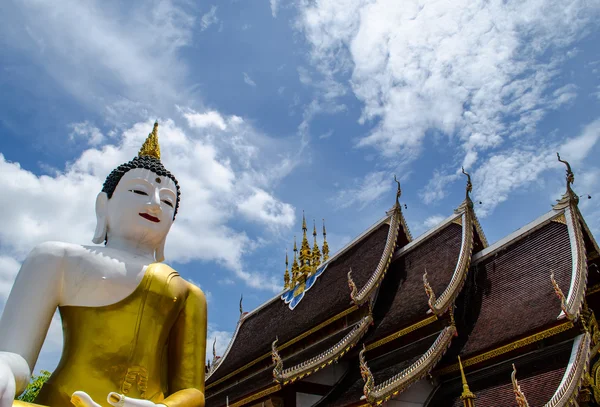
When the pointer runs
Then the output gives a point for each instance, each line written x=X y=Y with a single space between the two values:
x=139 y=201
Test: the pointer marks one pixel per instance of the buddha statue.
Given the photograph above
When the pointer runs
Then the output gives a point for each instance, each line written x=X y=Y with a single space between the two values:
x=134 y=330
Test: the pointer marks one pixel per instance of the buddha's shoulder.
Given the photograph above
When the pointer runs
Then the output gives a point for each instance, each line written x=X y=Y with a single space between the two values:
x=166 y=270
x=55 y=249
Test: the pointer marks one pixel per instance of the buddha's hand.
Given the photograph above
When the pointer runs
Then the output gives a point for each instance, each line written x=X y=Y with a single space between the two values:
x=82 y=399
x=119 y=400
x=7 y=386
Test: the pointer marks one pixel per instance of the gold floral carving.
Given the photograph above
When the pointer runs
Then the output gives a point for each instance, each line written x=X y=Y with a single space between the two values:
x=378 y=394
x=402 y=332
x=508 y=348
x=560 y=219
x=324 y=359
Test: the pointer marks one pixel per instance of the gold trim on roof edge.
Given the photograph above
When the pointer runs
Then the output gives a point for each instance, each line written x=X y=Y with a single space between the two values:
x=402 y=332
x=507 y=348
x=364 y=294
x=569 y=387
x=441 y=304
x=285 y=345
x=256 y=396
x=378 y=394
x=324 y=359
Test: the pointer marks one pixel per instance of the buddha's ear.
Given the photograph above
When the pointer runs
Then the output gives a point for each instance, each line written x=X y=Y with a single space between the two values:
x=159 y=252
x=101 y=223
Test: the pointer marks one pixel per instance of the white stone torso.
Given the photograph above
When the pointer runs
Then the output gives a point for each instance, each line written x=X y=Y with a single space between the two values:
x=96 y=276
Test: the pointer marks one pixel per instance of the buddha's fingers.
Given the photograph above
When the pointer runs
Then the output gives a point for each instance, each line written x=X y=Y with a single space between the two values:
x=82 y=399
x=119 y=400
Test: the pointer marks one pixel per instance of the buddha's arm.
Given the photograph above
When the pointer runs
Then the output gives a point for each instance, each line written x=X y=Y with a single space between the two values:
x=187 y=350
x=28 y=311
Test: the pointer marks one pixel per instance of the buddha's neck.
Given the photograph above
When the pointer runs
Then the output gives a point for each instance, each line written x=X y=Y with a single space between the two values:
x=134 y=248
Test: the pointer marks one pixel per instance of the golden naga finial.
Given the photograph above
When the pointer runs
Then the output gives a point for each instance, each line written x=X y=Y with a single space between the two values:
x=398 y=191
x=352 y=285
x=469 y=184
x=325 y=245
x=520 y=397
x=277 y=361
x=241 y=306
x=560 y=295
x=366 y=374
x=570 y=175
x=214 y=350
x=467 y=396
x=150 y=147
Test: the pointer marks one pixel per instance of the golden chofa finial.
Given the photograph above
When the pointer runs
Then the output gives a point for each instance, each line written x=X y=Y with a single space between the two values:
x=570 y=175
x=316 y=253
x=467 y=396
x=469 y=184
x=398 y=191
x=150 y=147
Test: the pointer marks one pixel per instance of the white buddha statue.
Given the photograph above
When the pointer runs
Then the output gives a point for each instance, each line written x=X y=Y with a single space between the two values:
x=134 y=330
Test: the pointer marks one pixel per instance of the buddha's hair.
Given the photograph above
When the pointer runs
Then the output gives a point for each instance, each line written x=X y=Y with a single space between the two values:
x=145 y=162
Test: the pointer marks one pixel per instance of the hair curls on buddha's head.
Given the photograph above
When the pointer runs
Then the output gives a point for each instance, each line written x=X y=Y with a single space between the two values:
x=145 y=162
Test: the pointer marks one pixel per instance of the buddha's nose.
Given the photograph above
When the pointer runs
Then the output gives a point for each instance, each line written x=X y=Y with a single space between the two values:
x=154 y=202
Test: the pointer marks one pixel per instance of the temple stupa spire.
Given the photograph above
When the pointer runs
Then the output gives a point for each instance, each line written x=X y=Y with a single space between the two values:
x=305 y=254
x=286 y=276
x=295 y=267
x=151 y=147
x=316 y=253
x=467 y=396
x=325 y=245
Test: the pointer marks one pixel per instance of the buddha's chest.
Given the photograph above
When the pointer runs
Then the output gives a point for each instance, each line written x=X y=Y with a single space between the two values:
x=99 y=280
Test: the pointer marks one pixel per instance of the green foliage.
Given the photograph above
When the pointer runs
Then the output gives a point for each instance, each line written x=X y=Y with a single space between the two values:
x=34 y=386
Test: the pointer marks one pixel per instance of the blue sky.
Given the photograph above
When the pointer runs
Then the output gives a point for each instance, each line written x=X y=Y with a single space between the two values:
x=268 y=108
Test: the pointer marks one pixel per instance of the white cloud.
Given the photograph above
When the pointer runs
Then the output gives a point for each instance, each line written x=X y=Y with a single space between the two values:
x=85 y=130
x=364 y=191
x=209 y=18
x=578 y=148
x=435 y=190
x=249 y=80
x=263 y=207
x=202 y=120
x=274 y=7
x=459 y=67
x=140 y=60
x=433 y=221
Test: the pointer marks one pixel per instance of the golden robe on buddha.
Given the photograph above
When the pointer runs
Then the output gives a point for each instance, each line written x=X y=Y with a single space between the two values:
x=146 y=346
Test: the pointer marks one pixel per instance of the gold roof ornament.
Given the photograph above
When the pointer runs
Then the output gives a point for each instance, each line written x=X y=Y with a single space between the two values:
x=467 y=396
x=325 y=245
x=286 y=275
x=241 y=305
x=295 y=267
x=519 y=396
x=316 y=253
x=398 y=191
x=469 y=184
x=150 y=147
x=305 y=254
x=569 y=196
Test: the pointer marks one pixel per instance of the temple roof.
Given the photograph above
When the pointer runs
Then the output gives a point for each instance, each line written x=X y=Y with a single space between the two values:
x=327 y=300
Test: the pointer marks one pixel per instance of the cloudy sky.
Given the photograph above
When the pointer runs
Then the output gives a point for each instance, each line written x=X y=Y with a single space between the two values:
x=271 y=107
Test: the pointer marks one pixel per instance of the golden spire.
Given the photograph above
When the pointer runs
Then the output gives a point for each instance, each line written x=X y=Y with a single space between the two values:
x=325 y=245
x=295 y=268
x=150 y=147
x=286 y=276
x=305 y=255
x=467 y=396
x=316 y=253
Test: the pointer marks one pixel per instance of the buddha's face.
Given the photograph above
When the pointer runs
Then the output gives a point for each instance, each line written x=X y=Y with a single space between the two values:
x=142 y=207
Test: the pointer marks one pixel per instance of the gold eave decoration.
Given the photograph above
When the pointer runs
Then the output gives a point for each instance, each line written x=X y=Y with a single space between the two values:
x=322 y=360
x=378 y=394
x=439 y=305
x=568 y=206
x=359 y=297
x=569 y=387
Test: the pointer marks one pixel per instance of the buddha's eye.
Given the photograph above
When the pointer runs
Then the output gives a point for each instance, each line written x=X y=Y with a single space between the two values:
x=137 y=191
x=168 y=203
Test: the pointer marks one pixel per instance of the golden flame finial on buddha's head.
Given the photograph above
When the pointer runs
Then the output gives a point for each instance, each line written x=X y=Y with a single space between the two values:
x=150 y=146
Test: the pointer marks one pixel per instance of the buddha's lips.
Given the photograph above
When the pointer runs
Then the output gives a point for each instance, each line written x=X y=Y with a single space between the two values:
x=149 y=217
